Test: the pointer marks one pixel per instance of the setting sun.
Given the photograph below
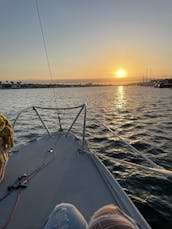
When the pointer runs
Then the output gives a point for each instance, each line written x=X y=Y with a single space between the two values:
x=121 y=73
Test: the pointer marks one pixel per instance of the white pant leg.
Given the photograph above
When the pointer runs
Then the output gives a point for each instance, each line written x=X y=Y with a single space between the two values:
x=65 y=216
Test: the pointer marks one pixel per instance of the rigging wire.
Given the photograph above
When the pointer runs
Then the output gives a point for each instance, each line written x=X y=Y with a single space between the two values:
x=43 y=39
x=46 y=55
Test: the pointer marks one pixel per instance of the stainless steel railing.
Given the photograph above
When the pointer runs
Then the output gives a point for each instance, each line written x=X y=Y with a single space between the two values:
x=82 y=108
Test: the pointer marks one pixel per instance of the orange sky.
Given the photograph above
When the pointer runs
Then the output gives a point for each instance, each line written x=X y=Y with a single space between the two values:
x=86 y=39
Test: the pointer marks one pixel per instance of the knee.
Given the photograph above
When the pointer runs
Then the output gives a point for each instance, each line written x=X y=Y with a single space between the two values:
x=66 y=215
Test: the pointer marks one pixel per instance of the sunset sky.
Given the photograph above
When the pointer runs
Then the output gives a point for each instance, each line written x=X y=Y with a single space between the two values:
x=86 y=39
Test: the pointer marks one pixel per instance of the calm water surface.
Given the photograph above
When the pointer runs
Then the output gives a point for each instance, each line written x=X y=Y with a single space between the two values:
x=141 y=115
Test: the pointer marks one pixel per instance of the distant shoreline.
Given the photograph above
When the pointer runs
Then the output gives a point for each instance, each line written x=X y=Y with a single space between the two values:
x=160 y=83
x=33 y=85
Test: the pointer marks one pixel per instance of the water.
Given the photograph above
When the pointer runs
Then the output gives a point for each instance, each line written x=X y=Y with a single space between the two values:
x=141 y=115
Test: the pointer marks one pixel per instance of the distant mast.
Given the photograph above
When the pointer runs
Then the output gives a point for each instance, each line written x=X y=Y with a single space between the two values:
x=148 y=75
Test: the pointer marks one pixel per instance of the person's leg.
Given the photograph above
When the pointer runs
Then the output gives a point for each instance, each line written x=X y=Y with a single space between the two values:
x=66 y=216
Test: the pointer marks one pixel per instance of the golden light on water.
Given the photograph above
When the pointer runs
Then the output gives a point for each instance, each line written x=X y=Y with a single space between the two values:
x=121 y=73
x=120 y=97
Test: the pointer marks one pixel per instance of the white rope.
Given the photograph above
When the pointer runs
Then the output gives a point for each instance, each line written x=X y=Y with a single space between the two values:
x=133 y=148
x=159 y=171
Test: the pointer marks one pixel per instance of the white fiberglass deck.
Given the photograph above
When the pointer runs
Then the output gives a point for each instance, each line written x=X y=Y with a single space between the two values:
x=72 y=177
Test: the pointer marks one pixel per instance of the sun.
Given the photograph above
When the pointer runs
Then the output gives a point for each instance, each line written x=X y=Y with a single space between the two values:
x=121 y=73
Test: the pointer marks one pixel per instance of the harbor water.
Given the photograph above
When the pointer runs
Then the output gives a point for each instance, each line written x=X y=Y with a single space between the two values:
x=140 y=115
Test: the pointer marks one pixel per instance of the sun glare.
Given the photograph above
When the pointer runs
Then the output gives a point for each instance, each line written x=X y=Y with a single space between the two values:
x=121 y=73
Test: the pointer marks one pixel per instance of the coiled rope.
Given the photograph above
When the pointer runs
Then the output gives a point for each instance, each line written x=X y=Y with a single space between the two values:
x=6 y=132
x=6 y=142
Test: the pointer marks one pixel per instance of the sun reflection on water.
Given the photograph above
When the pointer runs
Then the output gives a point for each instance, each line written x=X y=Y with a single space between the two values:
x=120 y=99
